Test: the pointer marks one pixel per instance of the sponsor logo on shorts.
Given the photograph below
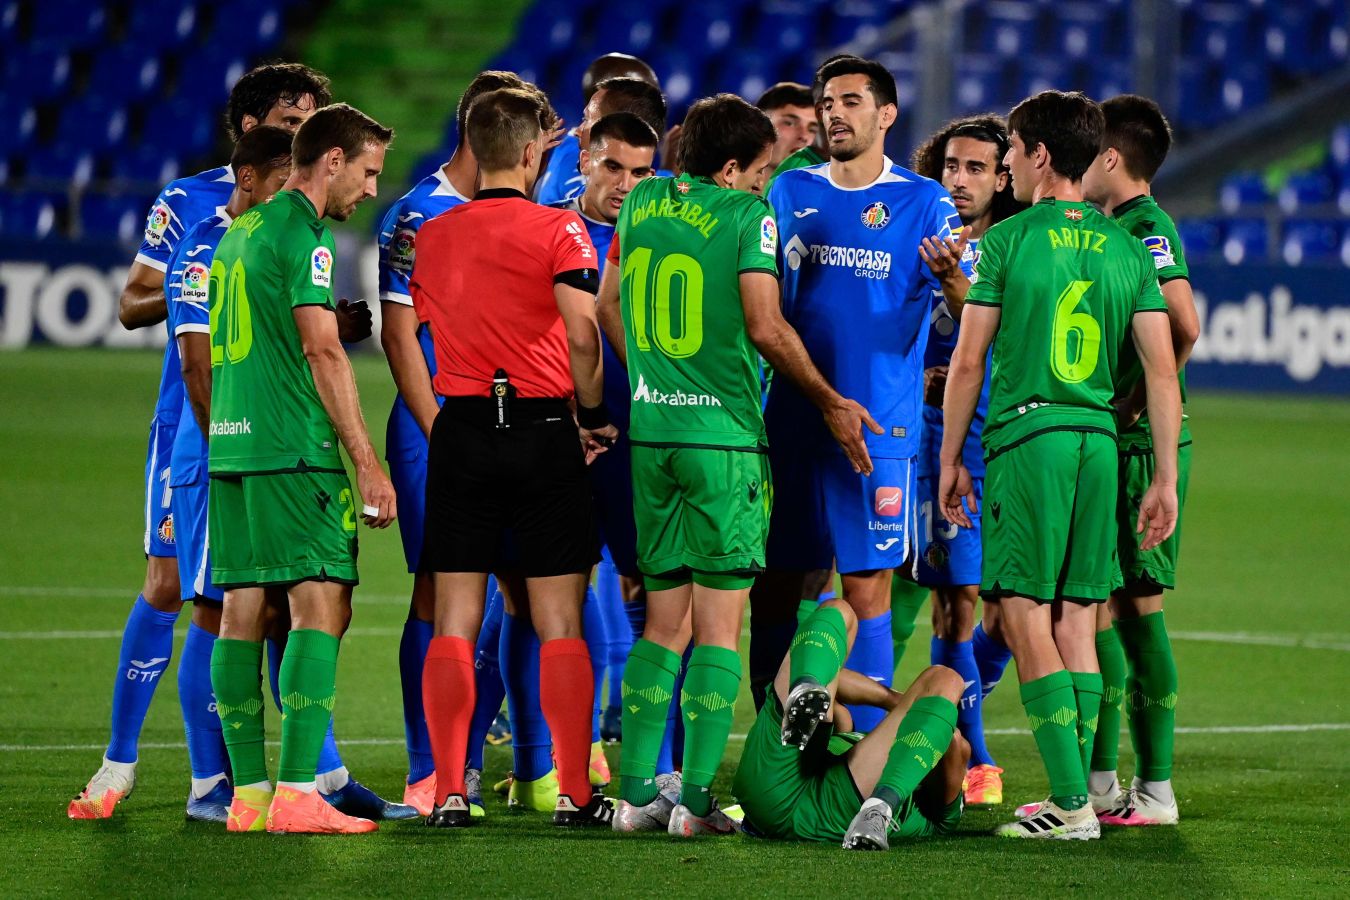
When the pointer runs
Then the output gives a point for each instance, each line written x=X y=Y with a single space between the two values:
x=165 y=529
x=768 y=236
x=876 y=216
x=157 y=223
x=1161 y=250
x=321 y=270
x=645 y=393
x=195 y=278
x=888 y=501
x=242 y=426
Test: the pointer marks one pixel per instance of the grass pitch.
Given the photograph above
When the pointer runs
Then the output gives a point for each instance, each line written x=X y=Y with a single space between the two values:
x=1260 y=623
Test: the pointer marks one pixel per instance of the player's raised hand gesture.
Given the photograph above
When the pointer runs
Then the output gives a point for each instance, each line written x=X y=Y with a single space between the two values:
x=943 y=255
x=846 y=420
x=1157 y=514
x=954 y=484
x=377 y=493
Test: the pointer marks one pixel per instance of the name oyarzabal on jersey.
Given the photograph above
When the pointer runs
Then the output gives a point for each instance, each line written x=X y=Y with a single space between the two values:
x=859 y=294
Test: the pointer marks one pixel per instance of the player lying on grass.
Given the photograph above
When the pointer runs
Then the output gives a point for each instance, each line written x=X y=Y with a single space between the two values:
x=805 y=775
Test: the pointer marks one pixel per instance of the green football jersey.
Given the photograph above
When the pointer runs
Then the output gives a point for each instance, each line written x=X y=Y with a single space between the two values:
x=807 y=156
x=1068 y=281
x=1143 y=218
x=683 y=243
x=266 y=415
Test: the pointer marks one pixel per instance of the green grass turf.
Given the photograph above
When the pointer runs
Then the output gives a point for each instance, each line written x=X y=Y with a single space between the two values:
x=1263 y=814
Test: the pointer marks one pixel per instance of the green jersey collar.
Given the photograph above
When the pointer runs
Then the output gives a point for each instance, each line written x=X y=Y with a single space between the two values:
x=1132 y=203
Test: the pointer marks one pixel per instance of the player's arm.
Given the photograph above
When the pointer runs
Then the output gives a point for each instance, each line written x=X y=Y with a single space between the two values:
x=608 y=311
x=782 y=348
x=857 y=689
x=965 y=380
x=1153 y=341
x=1184 y=323
x=336 y=385
x=142 y=301
x=194 y=354
x=398 y=337
x=577 y=308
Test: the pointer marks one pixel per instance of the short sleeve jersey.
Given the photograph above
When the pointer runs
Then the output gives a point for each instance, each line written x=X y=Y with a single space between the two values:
x=562 y=179
x=860 y=296
x=483 y=281
x=807 y=156
x=186 y=290
x=1143 y=218
x=683 y=244
x=1068 y=282
x=266 y=415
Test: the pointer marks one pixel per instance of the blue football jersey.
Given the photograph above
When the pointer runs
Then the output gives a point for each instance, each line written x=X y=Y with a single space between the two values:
x=185 y=288
x=859 y=294
x=561 y=179
x=941 y=344
x=428 y=198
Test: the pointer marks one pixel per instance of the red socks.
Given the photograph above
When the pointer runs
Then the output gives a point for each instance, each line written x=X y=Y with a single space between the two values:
x=567 y=695
x=448 y=696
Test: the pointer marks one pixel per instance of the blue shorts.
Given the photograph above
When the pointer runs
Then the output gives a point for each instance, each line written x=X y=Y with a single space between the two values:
x=825 y=514
x=408 y=471
x=612 y=487
x=159 y=531
x=194 y=555
x=949 y=555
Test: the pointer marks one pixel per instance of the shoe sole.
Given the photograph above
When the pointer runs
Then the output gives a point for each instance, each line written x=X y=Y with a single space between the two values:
x=805 y=711
x=863 y=842
x=1050 y=836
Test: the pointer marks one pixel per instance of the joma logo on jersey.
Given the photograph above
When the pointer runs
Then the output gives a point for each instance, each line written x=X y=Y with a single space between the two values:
x=647 y=394
x=864 y=263
x=876 y=216
x=887 y=501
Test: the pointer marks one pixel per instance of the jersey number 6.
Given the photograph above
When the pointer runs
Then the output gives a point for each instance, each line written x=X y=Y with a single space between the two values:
x=1077 y=338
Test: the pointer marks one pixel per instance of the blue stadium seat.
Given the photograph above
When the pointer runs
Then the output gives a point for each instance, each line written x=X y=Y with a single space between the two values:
x=119 y=216
x=681 y=78
x=207 y=81
x=553 y=24
x=1108 y=78
x=37 y=73
x=1006 y=29
x=748 y=74
x=144 y=164
x=184 y=128
x=629 y=27
x=9 y=22
x=92 y=122
x=1039 y=73
x=708 y=28
x=1340 y=146
x=1200 y=238
x=1244 y=87
x=1304 y=189
x=20 y=117
x=857 y=20
x=1219 y=32
x=126 y=72
x=980 y=84
x=1310 y=241
x=1081 y=31
x=166 y=24
x=1246 y=240
x=69 y=25
x=1242 y=190
x=30 y=214
x=247 y=26
x=60 y=167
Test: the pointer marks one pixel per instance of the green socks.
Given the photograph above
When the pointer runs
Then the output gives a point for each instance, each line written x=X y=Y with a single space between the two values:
x=308 y=685
x=648 y=686
x=924 y=735
x=819 y=648
x=907 y=599
x=1152 y=693
x=1052 y=711
x=1087 y=693
x=236 y=680
x=708 y=703
x=1111 y=659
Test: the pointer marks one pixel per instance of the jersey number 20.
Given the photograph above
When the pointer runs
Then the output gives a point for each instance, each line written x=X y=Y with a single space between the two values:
x=228 y=294
x=671 y=299
x=1077 y=338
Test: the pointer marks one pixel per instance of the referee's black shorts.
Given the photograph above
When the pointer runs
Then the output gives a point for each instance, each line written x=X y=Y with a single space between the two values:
x=529 y=482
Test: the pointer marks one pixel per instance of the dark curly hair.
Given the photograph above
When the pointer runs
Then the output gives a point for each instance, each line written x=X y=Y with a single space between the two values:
x=264 y=87
x=929 y=159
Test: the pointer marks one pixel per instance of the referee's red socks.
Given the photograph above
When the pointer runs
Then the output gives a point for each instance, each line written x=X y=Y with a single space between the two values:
x=567 y=695
x=448 y=697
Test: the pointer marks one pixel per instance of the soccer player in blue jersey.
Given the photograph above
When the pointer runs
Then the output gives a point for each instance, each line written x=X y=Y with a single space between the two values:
x=260 y=164
x=283 y=94
x=562 y=177
x=857 y=290
x=966 y=156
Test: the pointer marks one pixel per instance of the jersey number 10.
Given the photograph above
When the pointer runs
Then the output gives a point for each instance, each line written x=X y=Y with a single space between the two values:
x=1077 y=338
x=235 y=340
x=671 y=299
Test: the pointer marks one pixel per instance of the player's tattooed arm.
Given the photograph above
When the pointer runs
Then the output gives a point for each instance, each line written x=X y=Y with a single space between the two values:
x=965 y=379
x=782 y=347
x=194 y=353
x=142 y=302
x=943 y=257
x=398 y=337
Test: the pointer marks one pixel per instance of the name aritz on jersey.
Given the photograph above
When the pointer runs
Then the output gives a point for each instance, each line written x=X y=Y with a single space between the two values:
x=865 y=263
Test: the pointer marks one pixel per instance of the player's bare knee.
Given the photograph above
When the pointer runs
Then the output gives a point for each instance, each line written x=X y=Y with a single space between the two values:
x=958 y=750
x=161 y=584
x=941 y=681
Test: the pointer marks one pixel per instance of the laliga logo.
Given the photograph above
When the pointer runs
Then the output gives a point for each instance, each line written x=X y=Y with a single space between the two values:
x=194 y=277
x=876 y=216
x=323 y=260
x=403 y=244
x=794 y=250
x=159 y=218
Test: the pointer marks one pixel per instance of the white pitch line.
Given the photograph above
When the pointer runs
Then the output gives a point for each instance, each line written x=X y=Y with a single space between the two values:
x=392 y=742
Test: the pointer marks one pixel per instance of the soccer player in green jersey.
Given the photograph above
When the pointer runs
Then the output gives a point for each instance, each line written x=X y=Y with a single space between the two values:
x=792 y=109
x=1066 y=291
x=804 y=773
x=690 y=300
x=1135 y=654
x=282 y=512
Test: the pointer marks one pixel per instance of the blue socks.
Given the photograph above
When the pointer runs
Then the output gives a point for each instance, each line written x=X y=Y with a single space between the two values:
x=329 y=758
x=147 y=645
x=412 y=654
x=991 y=657
x=201 y=723
x=531 y=742
x=874 y=656
x=597 y=644
x=960 y=655
x=487 y=676
x=618 y=634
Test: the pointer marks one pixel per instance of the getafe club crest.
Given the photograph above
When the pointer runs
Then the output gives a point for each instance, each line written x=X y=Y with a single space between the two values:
x=876 y=216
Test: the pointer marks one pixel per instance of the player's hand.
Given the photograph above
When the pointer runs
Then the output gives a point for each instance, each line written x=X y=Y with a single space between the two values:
x=954 y=484
x=597 y=441
x=556 y=136
x=354 y=320
x=943 y=255
x=378 y=491
x=846 y=420
x=934 y=385
x=1157 y=515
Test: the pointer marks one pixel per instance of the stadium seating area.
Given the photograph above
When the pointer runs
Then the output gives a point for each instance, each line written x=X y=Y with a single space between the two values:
x=90 y=82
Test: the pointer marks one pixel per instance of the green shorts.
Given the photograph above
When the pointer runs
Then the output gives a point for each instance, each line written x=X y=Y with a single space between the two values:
x=1147 y=569
x=788 y=793
x=282 y=528
x=1049 y=521
x=701 y=511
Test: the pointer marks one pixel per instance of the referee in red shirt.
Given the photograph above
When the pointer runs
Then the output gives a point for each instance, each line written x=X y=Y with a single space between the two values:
x=508 y=289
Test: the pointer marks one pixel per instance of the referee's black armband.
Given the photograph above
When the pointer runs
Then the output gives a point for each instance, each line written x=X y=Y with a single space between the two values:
x=587 y=280
x=593 y=417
